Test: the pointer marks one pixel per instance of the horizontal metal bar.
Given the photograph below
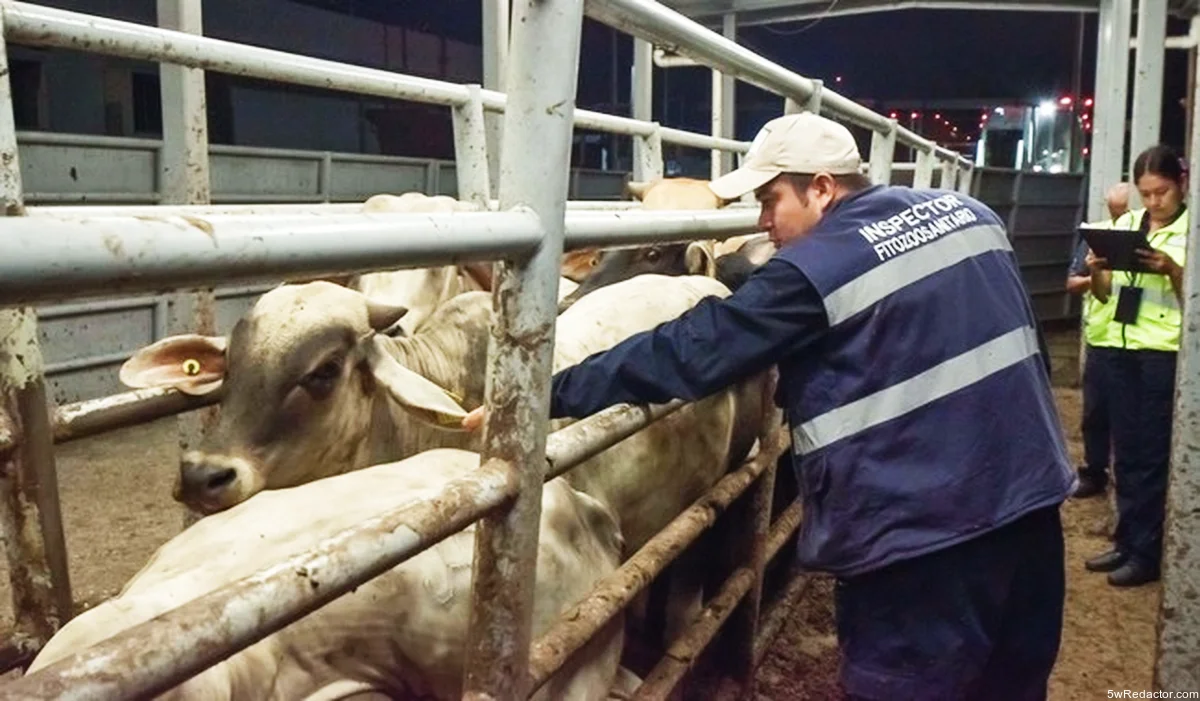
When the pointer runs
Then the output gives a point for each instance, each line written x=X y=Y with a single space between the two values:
x=93 y=416
x=637 y=227
x=273 y=197
x=682 y=653
x=780 y=612
x=68 y=197
x=67 y=311
x=87 y=362
x=784 y=527
x=57 y=258
x=35 y=25
x=576 y=626
x=591 y=436
x=660 y=25
x=165 y=210
x=54 y=138
x=159 y=654
x=687 y=138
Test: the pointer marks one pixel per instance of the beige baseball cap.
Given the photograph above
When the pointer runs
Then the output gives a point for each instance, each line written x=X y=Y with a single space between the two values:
x=803 y=143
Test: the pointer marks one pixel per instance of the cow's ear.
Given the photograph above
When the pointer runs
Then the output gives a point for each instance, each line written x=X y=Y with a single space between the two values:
x=638 y=188
x=190 y=363
x=699 y=260
x=420 y=397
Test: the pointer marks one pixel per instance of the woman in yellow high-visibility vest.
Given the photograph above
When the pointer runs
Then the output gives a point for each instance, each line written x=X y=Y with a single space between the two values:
x=1144 y=340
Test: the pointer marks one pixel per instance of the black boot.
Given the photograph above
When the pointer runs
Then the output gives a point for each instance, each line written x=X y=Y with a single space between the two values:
x=1108 y=562
x=1089 y=486
x=1133 y=574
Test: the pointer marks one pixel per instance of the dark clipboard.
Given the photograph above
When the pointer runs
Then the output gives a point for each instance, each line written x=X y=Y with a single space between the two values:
x=1118 y=246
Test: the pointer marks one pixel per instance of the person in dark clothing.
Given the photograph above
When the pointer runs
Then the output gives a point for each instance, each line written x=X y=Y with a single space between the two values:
x=1140 y=366
x=1100 y=334
x=925 y=439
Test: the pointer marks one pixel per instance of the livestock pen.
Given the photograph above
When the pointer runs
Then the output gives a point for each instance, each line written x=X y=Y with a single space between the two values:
x=60 y=254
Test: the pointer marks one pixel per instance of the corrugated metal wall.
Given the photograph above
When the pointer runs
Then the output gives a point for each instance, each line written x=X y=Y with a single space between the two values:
x=84 y=344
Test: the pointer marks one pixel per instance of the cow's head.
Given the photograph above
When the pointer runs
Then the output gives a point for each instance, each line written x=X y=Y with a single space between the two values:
x=298 y=377
x=694 y=258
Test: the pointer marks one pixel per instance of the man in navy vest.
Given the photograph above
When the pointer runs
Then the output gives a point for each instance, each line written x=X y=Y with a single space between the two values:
x=924 y=435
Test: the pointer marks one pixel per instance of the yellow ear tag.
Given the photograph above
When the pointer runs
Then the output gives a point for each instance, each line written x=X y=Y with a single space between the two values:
x=191 y=367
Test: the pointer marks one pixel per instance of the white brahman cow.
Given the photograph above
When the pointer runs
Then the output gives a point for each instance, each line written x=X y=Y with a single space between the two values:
x=693 y=258
x=400 y=636
x=421 y=290
x=312 y=389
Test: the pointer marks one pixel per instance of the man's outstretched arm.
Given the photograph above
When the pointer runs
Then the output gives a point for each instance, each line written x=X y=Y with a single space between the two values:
x=777 y=312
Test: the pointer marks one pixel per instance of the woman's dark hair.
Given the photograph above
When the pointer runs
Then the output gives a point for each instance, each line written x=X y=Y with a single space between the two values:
x=1162 y=161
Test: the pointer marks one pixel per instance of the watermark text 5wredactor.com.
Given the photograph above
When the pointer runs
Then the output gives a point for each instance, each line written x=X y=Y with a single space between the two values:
x=1129 y=694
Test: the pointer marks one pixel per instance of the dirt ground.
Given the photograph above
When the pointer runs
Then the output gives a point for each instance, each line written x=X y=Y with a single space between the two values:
x=117 y=510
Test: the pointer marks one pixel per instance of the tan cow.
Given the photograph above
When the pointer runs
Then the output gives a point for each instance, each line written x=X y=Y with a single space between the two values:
x=312 y=389
x=421 y=290
x=693 y=258
x=400 y=636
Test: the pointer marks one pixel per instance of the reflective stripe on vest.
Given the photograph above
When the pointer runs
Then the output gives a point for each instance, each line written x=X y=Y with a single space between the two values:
x=924 y=416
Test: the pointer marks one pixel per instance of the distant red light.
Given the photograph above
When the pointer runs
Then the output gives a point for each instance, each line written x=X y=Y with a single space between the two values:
x=1088 y=102
x=1064 y=101
x=914 y=115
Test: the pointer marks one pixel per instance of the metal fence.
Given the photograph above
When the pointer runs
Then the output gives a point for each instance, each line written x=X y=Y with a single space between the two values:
x=62 y=255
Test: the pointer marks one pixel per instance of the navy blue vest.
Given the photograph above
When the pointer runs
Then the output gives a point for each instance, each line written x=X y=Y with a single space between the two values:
x=925 y=416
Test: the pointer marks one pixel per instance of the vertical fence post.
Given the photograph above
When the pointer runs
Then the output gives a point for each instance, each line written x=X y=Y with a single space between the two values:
x=471 y=150
x=641 y=100
x=949 y=171
x=495 y=61
x=923 y=176
x=30 y=514
x=543 y=68
x=649 y=163
x=756 y=521
x=883 y=151
x=185 y=180
x=965 y=174
x=1177 y=664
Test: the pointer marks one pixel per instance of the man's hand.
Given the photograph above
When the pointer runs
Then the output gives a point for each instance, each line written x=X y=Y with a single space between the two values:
x=474 y=420
x=1157 y=261
x=1095 y=263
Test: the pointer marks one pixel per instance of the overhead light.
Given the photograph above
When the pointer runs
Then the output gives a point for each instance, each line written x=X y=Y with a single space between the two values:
x=1047 y=109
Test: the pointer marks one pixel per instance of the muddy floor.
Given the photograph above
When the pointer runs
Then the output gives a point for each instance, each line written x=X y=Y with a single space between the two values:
x=117 y=510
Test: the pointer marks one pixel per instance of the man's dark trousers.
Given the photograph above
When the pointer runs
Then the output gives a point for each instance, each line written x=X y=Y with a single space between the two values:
x=976 y=621
x=1096 y=424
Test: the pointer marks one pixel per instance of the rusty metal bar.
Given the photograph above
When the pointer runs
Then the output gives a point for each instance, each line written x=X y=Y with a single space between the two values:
x=93 y=416
x=586 y=438
x=613 y=593
x=682 y=654
x=30 y=513
x=784 y=527
x=157 y=655
x=542 y=73
x=779 y=613
x=743 y=627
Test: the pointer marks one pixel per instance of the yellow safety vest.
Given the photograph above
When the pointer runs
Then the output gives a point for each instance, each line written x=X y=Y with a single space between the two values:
x=1160 y=319
x=1098 y=326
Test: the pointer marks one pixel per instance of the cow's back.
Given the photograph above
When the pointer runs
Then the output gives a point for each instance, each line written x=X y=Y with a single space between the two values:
x=401 y=633
x=651 y=477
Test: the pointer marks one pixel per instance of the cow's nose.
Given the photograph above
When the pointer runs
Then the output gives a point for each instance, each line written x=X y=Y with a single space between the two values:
x=198 y=477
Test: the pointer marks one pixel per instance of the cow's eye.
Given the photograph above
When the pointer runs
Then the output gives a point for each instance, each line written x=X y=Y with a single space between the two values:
x=652 y=255
x=319 y=382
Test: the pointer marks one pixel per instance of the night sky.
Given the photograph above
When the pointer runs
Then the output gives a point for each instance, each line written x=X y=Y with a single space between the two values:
x=904 y=54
